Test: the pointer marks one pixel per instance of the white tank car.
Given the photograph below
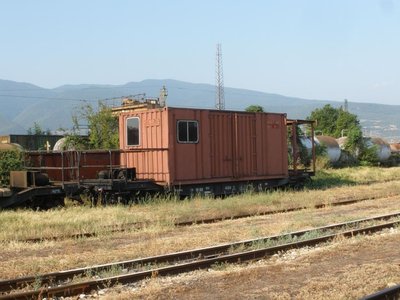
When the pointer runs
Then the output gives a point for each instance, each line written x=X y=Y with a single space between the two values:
x=332 y=147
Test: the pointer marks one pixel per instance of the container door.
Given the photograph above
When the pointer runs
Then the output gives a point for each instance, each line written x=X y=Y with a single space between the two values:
x=221 y=138
x=244 y=145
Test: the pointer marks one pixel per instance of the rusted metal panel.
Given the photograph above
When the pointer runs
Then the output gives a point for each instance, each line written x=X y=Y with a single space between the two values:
x=275 y=145
x=73 y=165
x=221 y=141
x=232 y=146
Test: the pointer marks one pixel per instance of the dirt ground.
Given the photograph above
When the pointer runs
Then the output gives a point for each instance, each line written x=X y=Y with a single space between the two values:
x=347 y=269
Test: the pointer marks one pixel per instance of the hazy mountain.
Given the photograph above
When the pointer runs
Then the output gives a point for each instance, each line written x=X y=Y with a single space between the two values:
x=18 y=96
x=24 y=103
x=7 y=126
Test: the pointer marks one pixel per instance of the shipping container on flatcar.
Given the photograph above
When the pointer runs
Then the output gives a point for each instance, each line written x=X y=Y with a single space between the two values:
x=205 y=151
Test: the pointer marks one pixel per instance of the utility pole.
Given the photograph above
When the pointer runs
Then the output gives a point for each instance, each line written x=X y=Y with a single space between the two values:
x=220 y=97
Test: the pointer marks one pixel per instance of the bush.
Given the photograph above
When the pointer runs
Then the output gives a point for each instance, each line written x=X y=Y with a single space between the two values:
x=322 y=162
x=368 y=156
x=10 y=160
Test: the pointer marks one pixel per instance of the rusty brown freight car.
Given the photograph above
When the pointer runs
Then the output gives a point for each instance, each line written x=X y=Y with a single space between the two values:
x=203 y=149
x=73 y=165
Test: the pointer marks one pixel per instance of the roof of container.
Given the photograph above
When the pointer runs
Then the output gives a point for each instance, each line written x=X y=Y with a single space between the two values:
x=144 y=107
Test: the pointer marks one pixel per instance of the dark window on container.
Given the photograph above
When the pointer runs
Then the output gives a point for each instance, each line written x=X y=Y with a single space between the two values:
x=132 y=131
x=188 y=132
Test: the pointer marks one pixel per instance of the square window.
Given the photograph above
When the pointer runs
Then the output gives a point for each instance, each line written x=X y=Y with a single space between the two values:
x=188 y=132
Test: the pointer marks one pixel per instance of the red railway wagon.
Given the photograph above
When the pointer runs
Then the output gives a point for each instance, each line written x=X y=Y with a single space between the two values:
x=64 y=166
x=201 y=150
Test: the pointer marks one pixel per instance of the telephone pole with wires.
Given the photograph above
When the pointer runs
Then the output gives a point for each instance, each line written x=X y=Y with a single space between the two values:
x=220 y=97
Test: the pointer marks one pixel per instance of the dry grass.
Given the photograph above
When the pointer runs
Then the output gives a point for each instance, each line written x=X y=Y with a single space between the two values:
x=18 y=258
x=23 y=224
x=368 y=174
x=353 y=176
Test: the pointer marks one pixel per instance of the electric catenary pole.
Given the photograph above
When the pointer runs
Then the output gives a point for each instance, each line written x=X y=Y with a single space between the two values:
x=220 y=98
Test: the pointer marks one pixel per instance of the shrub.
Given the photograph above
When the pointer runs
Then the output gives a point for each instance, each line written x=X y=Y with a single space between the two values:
x=369 y=157
x=10 y=160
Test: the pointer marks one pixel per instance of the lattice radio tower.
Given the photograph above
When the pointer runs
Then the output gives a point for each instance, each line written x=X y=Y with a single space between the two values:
x=220 y=97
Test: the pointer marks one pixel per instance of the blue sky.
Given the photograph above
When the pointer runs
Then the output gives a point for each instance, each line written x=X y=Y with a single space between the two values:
x=316 y=49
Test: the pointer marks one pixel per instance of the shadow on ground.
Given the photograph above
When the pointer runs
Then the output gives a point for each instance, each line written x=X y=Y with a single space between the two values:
x=324 y=180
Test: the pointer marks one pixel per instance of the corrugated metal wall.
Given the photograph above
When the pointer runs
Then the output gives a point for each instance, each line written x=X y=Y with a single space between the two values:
x=246 y=145
x=221 y=142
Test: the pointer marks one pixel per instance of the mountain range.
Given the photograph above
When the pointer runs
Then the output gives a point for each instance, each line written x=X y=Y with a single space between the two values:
x=23 y=104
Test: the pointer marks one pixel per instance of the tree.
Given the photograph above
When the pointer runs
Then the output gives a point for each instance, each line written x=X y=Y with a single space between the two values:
x=102 y=127
x=355 y=142
x=254 y=108
x=334 y=122
x=337 y=122
x=346 y=122
x=325 y=118
x=36 y=129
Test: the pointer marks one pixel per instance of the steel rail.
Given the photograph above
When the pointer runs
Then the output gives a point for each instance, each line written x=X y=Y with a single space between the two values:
x=57 y=277
x=139 y=225
x=388 y=293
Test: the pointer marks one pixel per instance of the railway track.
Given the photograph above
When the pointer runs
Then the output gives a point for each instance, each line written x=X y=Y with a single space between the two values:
x=389 y=293
x=64 y=283
x=139 y=225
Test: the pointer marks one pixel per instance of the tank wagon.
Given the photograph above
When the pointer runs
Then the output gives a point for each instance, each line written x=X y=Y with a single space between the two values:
x=395 y=148
x=381 y=148
x=179 y=150
x=333 y=150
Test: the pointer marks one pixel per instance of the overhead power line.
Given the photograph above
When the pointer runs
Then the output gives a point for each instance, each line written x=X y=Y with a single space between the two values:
x=48 y=98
